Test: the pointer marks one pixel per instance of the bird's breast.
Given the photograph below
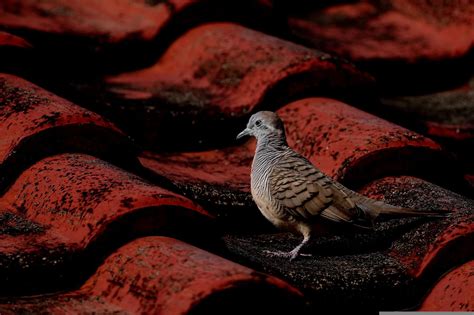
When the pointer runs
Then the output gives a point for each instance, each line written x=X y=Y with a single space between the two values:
x=270 y=213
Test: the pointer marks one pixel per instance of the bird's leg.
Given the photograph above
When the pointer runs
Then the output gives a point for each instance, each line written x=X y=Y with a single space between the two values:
x=295 y=252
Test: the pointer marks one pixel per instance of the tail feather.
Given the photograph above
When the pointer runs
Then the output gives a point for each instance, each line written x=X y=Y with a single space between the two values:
x=376 y=208
x=411 y=212
x=373 y=208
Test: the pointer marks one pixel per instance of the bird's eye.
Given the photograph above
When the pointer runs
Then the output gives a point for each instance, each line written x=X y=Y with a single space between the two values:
x=258 y=123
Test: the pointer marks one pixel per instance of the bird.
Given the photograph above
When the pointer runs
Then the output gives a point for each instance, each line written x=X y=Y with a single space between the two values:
x=296 y=196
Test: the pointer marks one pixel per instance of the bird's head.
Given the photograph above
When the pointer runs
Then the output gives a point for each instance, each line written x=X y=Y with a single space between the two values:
x=263 y=124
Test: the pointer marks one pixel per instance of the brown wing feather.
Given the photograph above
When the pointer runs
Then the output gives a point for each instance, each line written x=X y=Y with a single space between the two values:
x=305 y=192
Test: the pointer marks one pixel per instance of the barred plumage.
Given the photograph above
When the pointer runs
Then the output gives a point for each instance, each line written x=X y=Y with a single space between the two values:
x=293 y=194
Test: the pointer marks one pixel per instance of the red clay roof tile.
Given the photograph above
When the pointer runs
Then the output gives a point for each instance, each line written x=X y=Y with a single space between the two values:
x=35 y=123
x=406 y=30
x=211 y=78
x=160 y=275
x=447 y=114
x=91 y=32
x=80 y=201
x=407 y=45
x=62 y=212
x=453 y=292
x=354 y=146
x=434 y=246
x=7 y=39
x=391 y=268
x=344 y=142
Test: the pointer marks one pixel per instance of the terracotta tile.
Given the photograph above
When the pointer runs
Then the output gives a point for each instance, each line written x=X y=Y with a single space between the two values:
x=354 y=146
x=453 y=292
x=74 y=209
x=210 y=80
x=438 y=245
x=218 y=179
x=35 y=123
x=17 y=53
x=390 y=268
x=407 y=45
x=115 y=34
x=7 y=39
x=350 y=145
x=159 y=275
x=448 y=115
x=67 y=210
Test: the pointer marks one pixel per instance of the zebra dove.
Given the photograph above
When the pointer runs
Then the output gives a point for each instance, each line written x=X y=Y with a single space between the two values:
x=296 y=196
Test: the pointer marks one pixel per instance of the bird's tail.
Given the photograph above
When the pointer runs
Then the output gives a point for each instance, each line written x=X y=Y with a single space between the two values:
x=376 y=208
x=373 y=208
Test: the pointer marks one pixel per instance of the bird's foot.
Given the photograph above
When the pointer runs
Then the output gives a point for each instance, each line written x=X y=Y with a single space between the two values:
x=292 y=255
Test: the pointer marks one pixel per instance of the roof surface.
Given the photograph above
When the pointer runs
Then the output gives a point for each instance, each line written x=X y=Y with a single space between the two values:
x=123 y=189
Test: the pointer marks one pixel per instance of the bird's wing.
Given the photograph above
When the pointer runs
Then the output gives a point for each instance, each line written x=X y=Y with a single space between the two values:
x=306 y=192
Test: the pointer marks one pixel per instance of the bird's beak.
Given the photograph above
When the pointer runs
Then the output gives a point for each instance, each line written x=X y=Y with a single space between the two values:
x=246 y=132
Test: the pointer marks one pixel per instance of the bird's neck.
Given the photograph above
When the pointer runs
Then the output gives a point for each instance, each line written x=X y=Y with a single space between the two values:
x=269 y=149
x=273 y=142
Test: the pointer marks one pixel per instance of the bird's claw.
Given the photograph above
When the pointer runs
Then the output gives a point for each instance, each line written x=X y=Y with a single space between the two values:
x=292 y=255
